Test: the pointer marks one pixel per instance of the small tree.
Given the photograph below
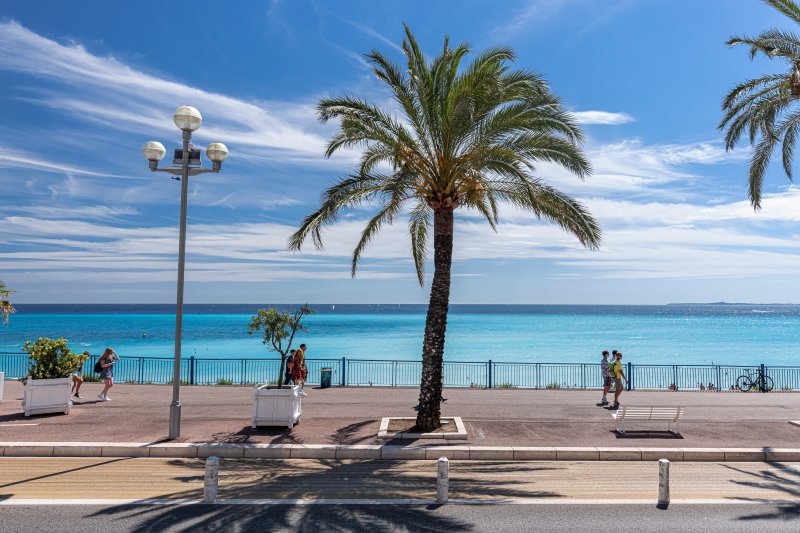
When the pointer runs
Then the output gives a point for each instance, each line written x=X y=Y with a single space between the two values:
x=5 y=305
x=51 y=359
x=279 y=327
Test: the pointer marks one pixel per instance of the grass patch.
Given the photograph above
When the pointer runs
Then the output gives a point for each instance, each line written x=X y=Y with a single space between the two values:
x=553 y=385
x=224 y=381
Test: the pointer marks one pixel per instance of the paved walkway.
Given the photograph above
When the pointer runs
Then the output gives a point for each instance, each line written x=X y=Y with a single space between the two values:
x=128 y=478
x=139 y=413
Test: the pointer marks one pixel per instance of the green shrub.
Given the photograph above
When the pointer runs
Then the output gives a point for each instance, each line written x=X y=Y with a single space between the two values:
x=553 y=385
x=50 y=359
x=506 y=386
x=224 y=381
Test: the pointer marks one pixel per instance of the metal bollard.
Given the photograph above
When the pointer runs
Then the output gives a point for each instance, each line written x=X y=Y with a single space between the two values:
x=443 y=480
x=211 y=480
x=663 y=483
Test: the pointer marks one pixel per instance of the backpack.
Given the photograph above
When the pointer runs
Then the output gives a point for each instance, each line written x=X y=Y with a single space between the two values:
x=98 y=367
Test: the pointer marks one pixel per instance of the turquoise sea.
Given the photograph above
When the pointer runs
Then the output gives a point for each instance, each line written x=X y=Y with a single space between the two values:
x=732 y=334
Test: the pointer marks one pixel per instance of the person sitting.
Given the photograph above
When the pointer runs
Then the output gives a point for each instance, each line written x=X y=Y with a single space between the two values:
x=702 y=387
x=673 y=387
x=712 y=387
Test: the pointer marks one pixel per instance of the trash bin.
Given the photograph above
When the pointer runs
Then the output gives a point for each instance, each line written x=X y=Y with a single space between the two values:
x=325 y=377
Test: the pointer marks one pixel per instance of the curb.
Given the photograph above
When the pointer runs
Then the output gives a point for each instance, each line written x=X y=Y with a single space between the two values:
x=387 y=451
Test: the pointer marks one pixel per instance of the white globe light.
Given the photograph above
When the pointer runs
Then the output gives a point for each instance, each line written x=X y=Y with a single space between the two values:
x=187 y=118
x=217 y=152
x=154 y=151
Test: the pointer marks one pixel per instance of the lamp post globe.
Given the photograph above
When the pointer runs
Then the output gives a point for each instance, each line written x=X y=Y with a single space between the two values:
x=217 y=152
x=187 y=118
x=154 y=151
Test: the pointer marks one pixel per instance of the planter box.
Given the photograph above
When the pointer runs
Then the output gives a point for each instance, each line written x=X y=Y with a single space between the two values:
x=276 y=407
x=47 y=396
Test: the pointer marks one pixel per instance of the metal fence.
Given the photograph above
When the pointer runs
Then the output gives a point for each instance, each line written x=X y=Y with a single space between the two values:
x=396 y=373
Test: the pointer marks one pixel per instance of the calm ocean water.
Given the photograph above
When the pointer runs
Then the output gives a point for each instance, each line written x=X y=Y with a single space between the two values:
x=673 y=334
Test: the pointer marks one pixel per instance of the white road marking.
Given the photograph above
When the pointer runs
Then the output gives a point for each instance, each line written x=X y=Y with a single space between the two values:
x=30 y=424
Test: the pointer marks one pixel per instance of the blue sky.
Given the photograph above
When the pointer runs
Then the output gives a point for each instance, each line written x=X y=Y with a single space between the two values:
x=85 y=84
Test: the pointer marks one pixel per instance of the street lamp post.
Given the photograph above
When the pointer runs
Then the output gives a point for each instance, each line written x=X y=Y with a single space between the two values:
x=186 y=163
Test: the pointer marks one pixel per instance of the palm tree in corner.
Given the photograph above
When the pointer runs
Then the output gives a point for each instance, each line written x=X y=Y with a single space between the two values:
x=467 y=138
x=766 y=107
x=5 y=305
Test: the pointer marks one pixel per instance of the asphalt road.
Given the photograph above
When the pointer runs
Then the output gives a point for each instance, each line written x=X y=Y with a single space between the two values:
x=376 y=518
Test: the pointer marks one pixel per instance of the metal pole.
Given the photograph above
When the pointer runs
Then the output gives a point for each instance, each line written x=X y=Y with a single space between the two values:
x=443 y=480
x=663 y=483
x=211 y=480
x=175 y=406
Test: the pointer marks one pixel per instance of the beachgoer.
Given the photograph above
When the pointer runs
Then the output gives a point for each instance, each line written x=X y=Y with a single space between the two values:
x=107 y=362
x=617 y=375
x=299 y=371
x=287 y=375
x=673 y=387
x=702 y=387
x=77 y=377
x=712 y=387
x=605 y=377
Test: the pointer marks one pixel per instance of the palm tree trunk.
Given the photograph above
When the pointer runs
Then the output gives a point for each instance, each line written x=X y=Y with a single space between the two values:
x=430 y=393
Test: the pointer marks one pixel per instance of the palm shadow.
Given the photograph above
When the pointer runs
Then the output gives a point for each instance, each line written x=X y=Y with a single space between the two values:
x=264 y=479
x=786 y=481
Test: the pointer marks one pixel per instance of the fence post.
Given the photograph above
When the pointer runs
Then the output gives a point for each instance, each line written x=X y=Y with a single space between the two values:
x=675 y=375
x=630 y=375
x=394 y=373
x=583 y=376
x=763 y=378
x=141 y=369
x=663 y=483
x=490 y=373
x=719 y=381
x=442 y=480
x=211 y=479
x=191 y=370
x=344 y=372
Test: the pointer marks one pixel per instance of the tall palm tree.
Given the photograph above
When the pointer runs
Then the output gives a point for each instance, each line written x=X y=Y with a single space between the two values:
x=467 y=138
x=5 y=305
x=765 y=107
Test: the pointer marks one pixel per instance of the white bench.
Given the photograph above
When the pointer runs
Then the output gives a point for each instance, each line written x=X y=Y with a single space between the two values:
x=644 y=413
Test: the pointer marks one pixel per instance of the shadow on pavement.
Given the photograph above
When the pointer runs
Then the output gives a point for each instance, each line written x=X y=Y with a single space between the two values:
x=274 y=479
x=786 y=480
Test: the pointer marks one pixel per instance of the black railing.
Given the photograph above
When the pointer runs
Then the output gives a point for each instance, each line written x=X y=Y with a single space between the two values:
x=399 y=373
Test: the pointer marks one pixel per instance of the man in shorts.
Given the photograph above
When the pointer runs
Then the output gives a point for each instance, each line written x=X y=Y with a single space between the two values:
x=617 y=376
x=605 y=377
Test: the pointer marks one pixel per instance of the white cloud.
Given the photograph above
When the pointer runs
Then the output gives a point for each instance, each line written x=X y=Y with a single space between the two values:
x=602 y=117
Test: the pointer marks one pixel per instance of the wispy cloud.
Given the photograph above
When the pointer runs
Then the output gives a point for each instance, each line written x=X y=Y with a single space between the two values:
x=602 y=117
x=116 y=95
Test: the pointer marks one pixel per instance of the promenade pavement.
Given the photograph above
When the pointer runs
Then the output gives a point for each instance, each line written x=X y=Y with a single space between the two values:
x=495 y=417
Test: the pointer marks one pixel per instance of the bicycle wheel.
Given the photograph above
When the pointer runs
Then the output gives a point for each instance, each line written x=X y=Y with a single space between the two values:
x=766 y=384
x=744 y=383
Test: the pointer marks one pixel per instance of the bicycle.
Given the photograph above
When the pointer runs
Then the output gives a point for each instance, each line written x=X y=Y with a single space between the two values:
x=762 y=382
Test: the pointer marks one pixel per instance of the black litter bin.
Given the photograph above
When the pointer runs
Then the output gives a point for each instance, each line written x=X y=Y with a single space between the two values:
x=325 y=377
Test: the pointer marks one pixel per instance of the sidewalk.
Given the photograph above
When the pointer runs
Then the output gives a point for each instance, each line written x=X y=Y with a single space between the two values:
x=351 y=416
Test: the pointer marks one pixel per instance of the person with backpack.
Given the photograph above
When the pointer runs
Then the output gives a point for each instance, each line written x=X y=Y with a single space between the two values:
x=287 y=375
x=617 y=375
x=105 y=366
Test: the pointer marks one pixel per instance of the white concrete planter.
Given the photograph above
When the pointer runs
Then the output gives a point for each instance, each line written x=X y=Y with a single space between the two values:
x=47 y=396
x=276 y=407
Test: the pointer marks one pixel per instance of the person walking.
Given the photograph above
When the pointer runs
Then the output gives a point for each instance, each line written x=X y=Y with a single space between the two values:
x=605 y=377
x=287 y=374
x=299 y=371
x=107 y=362
x=77 y=377
x=617 y=375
